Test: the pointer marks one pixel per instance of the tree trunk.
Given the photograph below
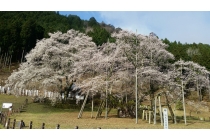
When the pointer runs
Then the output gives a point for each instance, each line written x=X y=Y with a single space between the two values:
x=169 y=107
x=10 y=62
x=126 y=98
x=198 y=93
x=174 y=113
x=22 y=57
x=92 y=108
x=201 y=97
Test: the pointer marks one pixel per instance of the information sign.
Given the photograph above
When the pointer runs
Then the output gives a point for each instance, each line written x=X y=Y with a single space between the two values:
x=165 y=118
x=6 y=105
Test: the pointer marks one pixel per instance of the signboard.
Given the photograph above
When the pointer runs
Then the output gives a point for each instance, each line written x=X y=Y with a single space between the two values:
x=165 y=118
x=6 y=105
x=79 y=97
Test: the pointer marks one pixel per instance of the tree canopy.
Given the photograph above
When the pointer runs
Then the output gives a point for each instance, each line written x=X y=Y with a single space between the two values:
x=76 y=56
x=19 y=31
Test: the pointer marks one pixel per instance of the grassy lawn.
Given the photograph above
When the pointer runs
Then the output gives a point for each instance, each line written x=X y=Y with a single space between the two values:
x=67 y=118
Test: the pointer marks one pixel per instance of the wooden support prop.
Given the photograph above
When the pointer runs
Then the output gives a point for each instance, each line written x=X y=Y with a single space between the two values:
x=150 y=116
x=161 y=117
x=146 y=114
x=58 y=126
x=143 y=114
x=155 y=110
x=43 y=125
x=92 y=108
x=100 y=108
x=30 y=125
x=83 y=105
x=14 y=122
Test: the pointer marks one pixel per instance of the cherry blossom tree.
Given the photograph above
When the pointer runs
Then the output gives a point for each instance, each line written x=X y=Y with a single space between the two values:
x=185 y=77
x=135 y=64
x=50 y=62
x=147 y=55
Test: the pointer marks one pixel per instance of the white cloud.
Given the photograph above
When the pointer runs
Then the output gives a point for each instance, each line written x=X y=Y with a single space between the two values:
x=180 y=26
x=126 y=20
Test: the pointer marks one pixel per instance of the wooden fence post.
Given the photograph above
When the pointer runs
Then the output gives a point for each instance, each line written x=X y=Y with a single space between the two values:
x=21 y=123
x=26 y=101
x=13 y=126
x=43 y=125
x=5 y=119
x=58 y=126
x=8 y=123
x=1 y=117
x=30 y=125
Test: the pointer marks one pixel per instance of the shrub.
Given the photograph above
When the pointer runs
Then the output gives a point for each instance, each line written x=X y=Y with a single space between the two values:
x=179 y=105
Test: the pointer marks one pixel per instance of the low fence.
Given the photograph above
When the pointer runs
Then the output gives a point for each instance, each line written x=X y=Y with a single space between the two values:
x=20 y=124
x=4 y=115
x=8 y=123
x=148 y=115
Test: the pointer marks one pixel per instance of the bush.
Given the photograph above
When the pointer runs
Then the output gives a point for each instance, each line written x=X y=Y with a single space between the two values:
x=179 y=105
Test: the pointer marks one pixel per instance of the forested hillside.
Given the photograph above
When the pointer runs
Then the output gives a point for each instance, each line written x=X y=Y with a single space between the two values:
x=19 y=32
x=198 y=53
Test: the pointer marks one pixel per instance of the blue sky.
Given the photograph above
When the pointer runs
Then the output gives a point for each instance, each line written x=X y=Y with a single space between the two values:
x=185 y=26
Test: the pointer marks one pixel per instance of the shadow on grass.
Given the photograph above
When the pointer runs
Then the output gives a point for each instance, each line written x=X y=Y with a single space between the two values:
x=45 y=108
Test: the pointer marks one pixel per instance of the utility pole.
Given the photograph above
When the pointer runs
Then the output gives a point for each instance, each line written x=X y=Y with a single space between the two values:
x=183 y=98
x=136 y=88
x=208 y=86
x=136 y=93
x=22 y=57
x=106 y=90
x=184 y=104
